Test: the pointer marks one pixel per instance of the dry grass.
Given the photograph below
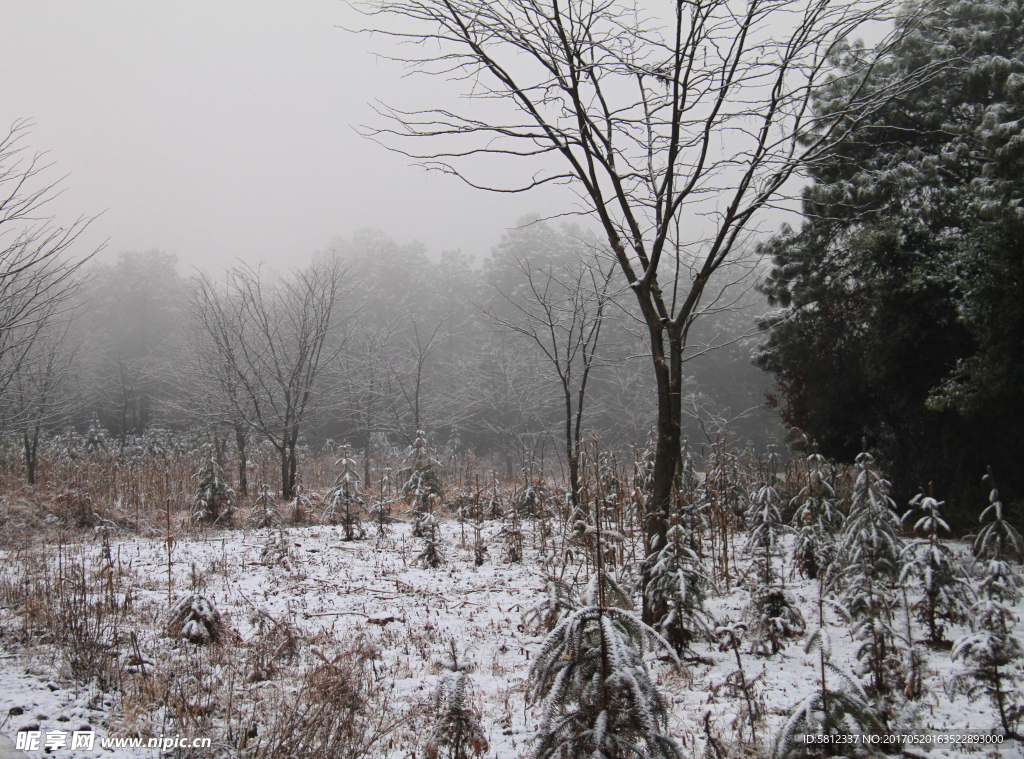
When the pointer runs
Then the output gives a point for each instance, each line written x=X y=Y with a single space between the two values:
x=341 y=710
x=81 y=612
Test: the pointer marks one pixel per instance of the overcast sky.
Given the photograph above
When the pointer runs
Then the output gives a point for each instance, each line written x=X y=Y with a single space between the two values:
x=224 y=130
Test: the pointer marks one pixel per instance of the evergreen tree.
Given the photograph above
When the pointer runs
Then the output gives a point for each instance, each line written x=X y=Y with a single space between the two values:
x=992 y=653
x=432 y=555
x=214 y=499
x=344 y=501
x=900 y=314
x=590 y=674
x=676 y=583
x=829 y=711
x=456 y=732
x=423 y=483
x=868 y=569
x=946 y=592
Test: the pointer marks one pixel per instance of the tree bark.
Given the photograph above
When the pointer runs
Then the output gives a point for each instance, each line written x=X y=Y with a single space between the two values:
x=241 y=441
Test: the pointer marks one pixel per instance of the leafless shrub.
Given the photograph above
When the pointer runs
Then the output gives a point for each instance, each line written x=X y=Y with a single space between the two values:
x=340 y=711
x=275 y=643
x=59 y=604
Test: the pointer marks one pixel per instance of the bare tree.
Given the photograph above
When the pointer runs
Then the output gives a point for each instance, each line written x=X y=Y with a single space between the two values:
x=515 y=402
x=37 y=281
x=277 y=338
x=561 y=313
x=209 y=387
x=423 y=396
x=42 y=393
x=696 y=121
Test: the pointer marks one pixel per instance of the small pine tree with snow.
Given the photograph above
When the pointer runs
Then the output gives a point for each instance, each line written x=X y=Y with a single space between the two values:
x=992 y=654
x=344 y=500
x=998 y=539
x=423 y=483
x=869 y=564
x=95 y=436
x=816 y=519
x=597 y=695
x=842 y=710
x=432 y=555
x=765 y=527
x=774 y=619
x=456 y=732
x=495 y=502
x=511 y=536
x=675 y=586
x=380 y=507
x=214 y=499
x=557 y=601
x=196 y=619
x=263 y=512
x=946 y=592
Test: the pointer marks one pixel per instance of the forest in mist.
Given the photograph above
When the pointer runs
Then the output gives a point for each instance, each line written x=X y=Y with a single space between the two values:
x=643 y=481
x=470 y=354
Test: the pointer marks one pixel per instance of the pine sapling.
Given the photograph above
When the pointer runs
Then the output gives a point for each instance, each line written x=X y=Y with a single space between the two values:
x=675 y=588
x=214 y=499
x=991 y=653
x=344 y=500
x=511 y=535
x=869 y=566
x=456 y=732
x=264 y=512
x=380 y=506
x=816 y=518
x=946 y=592
x=597 y=695
x=842 y=709
x=423 y=484
x=432 y=555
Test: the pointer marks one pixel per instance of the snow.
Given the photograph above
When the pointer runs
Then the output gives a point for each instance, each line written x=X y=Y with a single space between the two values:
x=329 y=587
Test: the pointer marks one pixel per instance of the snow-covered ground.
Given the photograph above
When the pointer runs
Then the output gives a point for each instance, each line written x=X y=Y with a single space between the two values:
x=332 y=591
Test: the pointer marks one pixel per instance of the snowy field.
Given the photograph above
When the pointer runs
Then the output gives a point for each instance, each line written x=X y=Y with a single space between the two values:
x=291 y=599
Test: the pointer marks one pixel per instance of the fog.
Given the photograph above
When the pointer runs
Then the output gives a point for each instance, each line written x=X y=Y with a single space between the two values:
x=226 y=131
x=225 y=134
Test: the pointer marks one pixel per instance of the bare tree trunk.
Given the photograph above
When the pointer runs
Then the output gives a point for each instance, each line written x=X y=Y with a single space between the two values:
x=241 y=441
x=31 y=455
x=286 y=489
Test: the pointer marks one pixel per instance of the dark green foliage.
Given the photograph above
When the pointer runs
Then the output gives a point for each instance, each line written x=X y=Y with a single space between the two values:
x=901 y=317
